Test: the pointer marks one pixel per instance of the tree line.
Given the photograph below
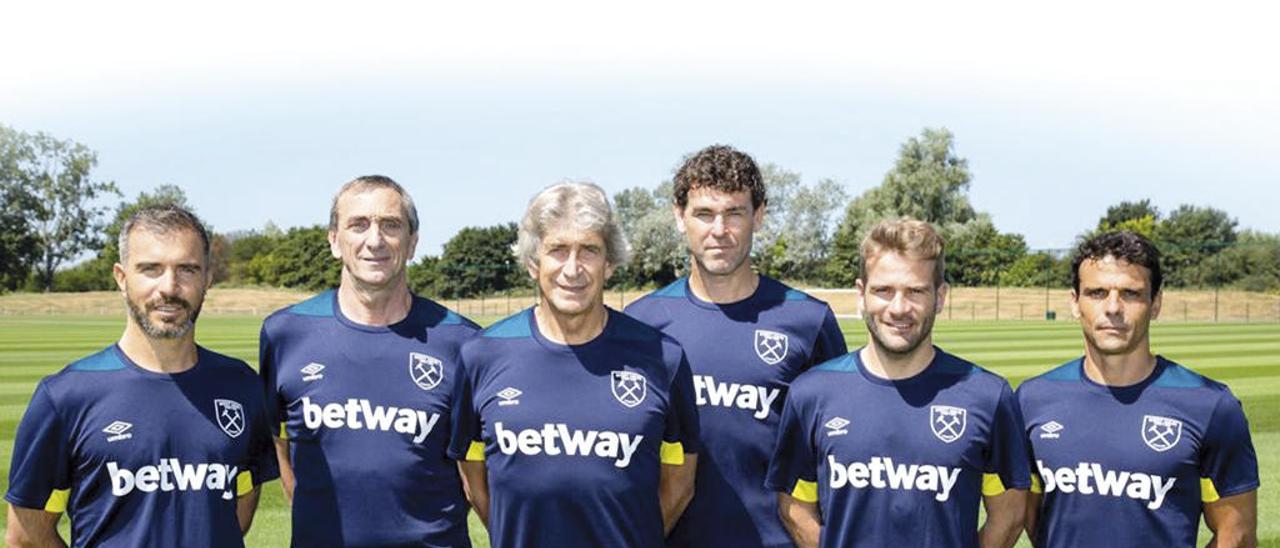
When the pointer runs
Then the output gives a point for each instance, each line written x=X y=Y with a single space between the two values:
x=50 y=215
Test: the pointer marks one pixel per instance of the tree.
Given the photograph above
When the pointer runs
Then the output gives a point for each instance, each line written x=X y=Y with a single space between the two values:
x=18 y=244
x=95 y=273
x=55 y=175
x=1253 y=263
x=478 y=260
x=1127 y=211
x=424 y=276
x=977 y=254
x=927 y=182
x=658 y=251
x=301 y=260
x=797 y=232
x=1189 y=239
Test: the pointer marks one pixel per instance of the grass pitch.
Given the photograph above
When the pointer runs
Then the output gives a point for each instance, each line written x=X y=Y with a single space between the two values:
x=1245 y=356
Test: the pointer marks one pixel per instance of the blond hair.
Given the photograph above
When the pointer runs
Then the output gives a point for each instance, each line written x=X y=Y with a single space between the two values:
x=908 y=237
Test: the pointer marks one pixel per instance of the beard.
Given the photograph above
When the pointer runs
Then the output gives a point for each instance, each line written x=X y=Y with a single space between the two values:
x=142 y=316
x=913 y=340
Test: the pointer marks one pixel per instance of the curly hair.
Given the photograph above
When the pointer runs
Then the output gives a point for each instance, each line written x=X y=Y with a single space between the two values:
x=1124 y=245
x=722 y=168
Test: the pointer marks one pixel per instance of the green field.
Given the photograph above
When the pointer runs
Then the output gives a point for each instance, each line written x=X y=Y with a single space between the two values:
x=1246 y=356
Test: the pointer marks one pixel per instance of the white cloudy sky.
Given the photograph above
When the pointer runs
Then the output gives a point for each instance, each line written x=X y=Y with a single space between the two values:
x=260 y=110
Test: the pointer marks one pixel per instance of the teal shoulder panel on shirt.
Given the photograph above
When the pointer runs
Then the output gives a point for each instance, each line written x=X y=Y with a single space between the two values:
x=1069 y=371
x=844 y=364
x=512 y=327
x=673 y=289
x=320 y=305
x=105 y=360
x=451 y=318
x=1177 y=376
x=796 y=295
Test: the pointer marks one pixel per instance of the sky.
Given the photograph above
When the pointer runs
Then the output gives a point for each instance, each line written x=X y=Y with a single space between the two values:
x=260 y=111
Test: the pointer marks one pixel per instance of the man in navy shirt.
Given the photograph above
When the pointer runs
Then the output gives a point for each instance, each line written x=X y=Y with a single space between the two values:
x=361 y=380
x=575 y=424
x=153 y=441
x=896 y=443
x=747 y=336
x=1129 y=447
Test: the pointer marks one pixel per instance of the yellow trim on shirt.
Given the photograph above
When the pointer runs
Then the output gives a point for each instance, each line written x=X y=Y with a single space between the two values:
x=805 y=491
x=475 y=453
x=1036 y=486
x=57 y=501
x=672 y=453
x=1208 y=492
x=284 y=434
x=244 y=483
x=991 y=485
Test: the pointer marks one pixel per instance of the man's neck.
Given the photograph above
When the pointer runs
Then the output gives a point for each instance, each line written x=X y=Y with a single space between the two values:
x=1119 y=369
x=377 y=306
x=575 y=329
x=723 y=289
x=159 y=355
x=892 y=366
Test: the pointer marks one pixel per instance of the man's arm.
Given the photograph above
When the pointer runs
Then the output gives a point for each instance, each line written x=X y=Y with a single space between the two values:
x=1005 y=513
x=675 y=489
x=1233 y=520
x=1032 y=519
x=475 y=484
x=801 y=520
x=246 y=506
x=31 y=528
x=286 y=469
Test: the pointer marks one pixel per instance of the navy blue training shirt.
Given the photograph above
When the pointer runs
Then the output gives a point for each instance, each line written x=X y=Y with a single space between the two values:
x=899 y=462
x=366 y=412
x=1133 y=465
x=744 y=356
x=140 y=458
x=574 y=436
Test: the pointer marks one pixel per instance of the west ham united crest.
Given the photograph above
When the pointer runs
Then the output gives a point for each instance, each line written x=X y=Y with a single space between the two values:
x=426 y=371
x=230 y=416
x=1161 y=433
x=628 y=387
x=771 y=346
x=947 y=422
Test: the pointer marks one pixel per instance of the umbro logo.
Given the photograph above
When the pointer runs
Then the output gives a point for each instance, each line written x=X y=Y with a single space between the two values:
x=1049 y=430
x=118 y=430
x=836 y=426
x=510 y=396
x=312 y=372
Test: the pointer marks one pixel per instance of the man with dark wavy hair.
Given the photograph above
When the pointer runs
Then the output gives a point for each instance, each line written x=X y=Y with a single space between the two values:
x=1130 y=447
x=747 y=337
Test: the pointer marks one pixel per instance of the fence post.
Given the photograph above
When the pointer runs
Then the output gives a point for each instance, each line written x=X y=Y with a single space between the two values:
x=1184 y=311
x=997 y=297
x=1246 y=312
x=1020 y=307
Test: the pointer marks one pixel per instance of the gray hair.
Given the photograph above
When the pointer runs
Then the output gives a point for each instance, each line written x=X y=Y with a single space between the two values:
x=163 y=219
x=371 y=182
x=583 y=205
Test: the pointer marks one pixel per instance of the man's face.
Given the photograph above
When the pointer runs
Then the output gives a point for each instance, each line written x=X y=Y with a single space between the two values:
x=899 y=301
x=1115 y=306
x=372 y=237
x=164 y=281
x=571 y=270
x=719 y=227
